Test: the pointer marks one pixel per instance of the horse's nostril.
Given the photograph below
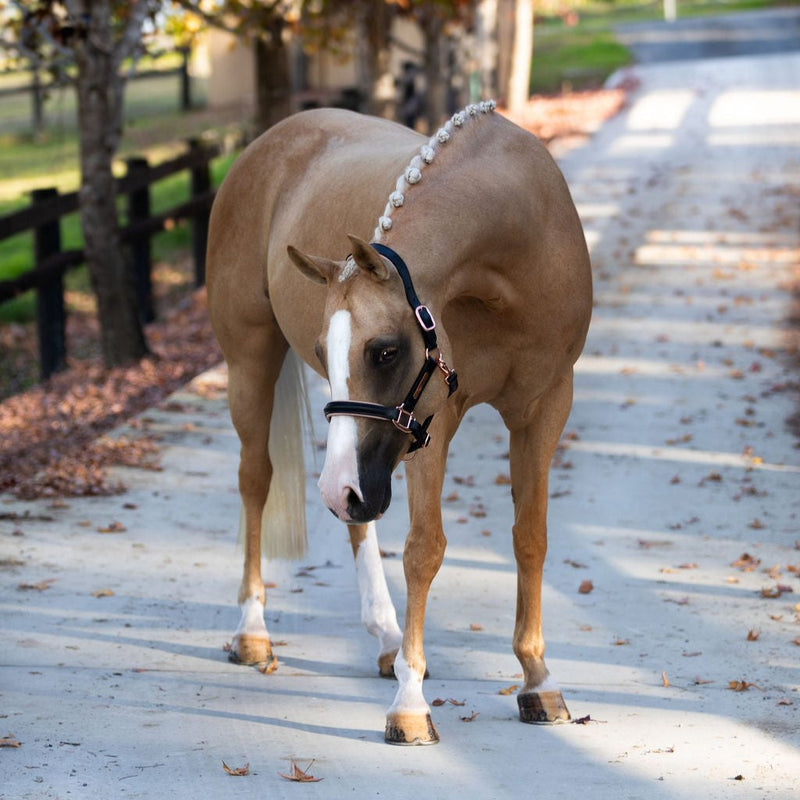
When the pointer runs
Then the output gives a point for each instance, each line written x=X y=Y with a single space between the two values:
x=353 y=499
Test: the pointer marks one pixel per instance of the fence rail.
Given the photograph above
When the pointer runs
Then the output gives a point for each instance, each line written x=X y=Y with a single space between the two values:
x=51 y=263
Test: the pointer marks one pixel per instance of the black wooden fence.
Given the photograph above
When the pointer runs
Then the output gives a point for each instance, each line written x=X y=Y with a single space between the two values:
x=50 y=262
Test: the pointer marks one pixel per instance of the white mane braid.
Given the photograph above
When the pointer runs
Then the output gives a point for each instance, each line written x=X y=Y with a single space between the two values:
x=413 y=172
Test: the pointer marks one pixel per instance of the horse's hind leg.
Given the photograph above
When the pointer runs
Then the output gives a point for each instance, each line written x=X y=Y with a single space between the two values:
x=532 y=449
x=253 y=369
x=377 y=610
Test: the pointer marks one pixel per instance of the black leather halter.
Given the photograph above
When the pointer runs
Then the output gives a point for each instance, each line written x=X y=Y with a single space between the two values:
x=402 y=416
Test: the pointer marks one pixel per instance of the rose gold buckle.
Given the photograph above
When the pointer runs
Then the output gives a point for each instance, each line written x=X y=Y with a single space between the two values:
x=403 y=422
x=423 y=324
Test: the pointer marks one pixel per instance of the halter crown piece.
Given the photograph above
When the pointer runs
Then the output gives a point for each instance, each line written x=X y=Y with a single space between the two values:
x=402 y=416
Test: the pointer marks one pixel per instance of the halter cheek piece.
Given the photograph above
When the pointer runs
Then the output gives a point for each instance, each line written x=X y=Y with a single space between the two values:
x=402 y=416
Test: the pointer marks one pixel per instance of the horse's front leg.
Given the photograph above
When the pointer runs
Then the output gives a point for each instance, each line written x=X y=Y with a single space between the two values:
x=377 y=610
x=408 y=720
x=531 y=451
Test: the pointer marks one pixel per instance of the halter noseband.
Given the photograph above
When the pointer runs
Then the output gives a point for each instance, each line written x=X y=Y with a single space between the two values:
x=402 y=416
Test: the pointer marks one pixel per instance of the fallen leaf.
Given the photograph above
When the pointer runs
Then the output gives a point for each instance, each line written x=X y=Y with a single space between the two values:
x=743 y=686
x=470 y=718
x=503 y=479
x=796 y=641
x=39 y=587
x=509 y=689
x=113 y=527
x=756 y=524
x=664 y=678
x=771 y=592
x=269 y=667
x=785 y=702
x=753 y=634
x=103 y=593
x=300 y=775
x=237 y=771
x=620 y=642
x=585 y=587
x=746 y=562
x=685 y=439
x=648 y=543
x=9 y=741
x=475 y=626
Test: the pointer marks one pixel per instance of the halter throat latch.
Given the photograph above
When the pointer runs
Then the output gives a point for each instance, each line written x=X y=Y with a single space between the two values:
x=402 y=416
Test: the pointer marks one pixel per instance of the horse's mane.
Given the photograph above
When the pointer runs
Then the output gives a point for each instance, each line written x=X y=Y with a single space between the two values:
x=412 y=174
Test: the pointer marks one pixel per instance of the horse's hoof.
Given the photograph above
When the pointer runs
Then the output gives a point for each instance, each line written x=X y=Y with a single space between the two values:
x=542 y=707
x=386 y=664
x=410 y=729
x=248 y=649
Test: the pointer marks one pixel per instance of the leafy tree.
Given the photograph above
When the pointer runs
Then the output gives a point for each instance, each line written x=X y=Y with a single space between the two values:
x=89 y=41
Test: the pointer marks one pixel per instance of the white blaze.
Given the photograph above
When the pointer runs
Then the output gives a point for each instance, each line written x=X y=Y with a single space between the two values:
x=340 y=472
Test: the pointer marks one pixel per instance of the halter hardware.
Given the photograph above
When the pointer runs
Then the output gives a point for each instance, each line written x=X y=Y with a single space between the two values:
x=402 y=416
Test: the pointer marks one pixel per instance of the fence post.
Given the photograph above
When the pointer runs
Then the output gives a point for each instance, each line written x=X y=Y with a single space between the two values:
x=50 y=315
x=201 y=183
x=139 y=209
x=186 y=80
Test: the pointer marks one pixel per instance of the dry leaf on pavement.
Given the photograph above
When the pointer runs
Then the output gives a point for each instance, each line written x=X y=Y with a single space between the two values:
x=237 y=771
x=743 y=686
x=39 y=587
x=300 y=775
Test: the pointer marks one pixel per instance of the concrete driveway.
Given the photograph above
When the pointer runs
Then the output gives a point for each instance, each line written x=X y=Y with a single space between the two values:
x=677 y=463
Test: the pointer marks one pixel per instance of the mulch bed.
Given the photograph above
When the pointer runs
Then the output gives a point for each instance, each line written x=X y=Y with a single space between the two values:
x=52 y=436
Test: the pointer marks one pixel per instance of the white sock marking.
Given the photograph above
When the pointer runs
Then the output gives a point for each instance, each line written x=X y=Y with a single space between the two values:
x=252 y=621
x=409 y=698
x=377 y=611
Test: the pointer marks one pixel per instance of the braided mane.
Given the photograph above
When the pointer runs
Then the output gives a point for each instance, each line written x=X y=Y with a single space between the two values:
x=413 y=172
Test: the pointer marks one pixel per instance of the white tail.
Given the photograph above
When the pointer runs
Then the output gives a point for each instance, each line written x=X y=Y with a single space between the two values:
x=283 y=521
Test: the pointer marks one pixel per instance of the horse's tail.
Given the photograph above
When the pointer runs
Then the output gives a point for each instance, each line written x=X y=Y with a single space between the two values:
x=283 y=521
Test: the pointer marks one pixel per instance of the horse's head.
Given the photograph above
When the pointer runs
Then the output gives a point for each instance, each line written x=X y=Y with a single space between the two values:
x=372 y=345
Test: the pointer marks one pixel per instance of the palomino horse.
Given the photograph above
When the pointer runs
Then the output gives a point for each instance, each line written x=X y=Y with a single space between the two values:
x=494 y=249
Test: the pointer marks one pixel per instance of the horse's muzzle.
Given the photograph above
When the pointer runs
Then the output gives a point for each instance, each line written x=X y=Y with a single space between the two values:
x=376 y=498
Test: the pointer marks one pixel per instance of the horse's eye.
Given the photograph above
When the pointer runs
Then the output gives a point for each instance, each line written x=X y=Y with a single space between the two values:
x=384 y=356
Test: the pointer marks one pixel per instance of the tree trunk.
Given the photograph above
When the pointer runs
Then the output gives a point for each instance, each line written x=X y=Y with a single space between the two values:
x=519 y=82
x=435 y=71
x=273 y=79
x=376 y=79
x=486 y=47
x=100 y=90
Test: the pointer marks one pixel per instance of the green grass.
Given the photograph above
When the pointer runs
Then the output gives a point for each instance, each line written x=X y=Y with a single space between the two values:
x=155 y=128
x=582 y=56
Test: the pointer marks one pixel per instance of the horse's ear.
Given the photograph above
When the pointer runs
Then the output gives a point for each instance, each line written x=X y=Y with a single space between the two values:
x=317 y=269
x=368 y=258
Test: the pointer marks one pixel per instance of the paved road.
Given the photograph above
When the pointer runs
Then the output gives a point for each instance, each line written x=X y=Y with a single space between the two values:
x=678 y=462
x=773 y=31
